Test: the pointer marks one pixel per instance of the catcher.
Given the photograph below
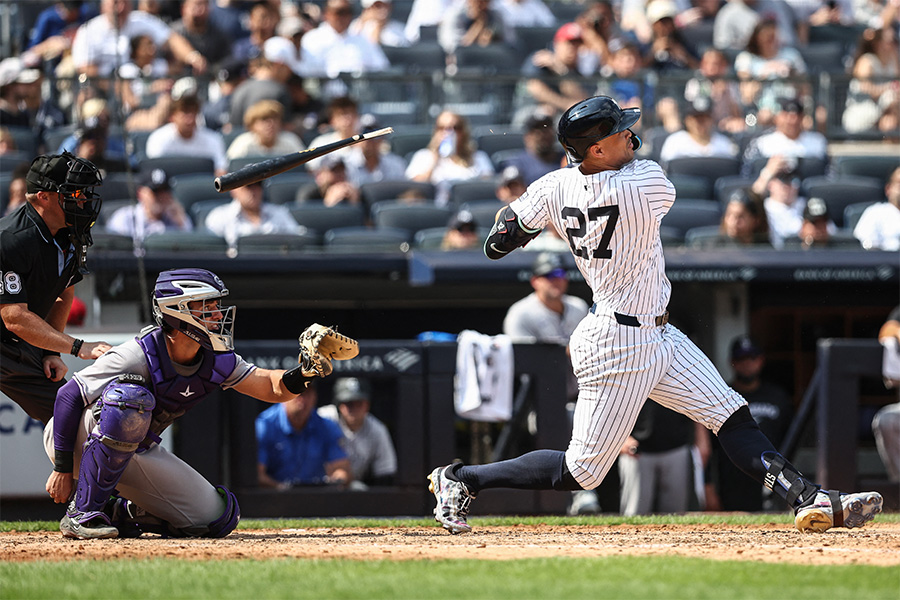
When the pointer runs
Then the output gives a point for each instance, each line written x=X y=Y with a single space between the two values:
x=105 y=432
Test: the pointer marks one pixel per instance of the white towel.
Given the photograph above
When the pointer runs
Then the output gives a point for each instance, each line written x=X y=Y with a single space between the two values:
x=483 y=386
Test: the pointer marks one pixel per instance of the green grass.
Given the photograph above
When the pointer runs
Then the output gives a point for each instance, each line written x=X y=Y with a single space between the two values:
x=689 y=519
x=614 y=577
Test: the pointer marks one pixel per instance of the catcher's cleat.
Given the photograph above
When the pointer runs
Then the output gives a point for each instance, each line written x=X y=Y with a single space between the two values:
x=86 y=526
x=833 y=509
x=453 y=500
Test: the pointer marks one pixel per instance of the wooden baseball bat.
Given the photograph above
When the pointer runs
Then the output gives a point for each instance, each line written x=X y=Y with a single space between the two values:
x=279 y=164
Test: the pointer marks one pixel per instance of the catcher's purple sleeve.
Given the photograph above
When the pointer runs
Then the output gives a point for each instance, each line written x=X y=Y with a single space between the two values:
x=67 y=415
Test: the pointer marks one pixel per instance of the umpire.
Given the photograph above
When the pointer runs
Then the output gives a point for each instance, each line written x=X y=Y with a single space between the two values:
x=42 y=256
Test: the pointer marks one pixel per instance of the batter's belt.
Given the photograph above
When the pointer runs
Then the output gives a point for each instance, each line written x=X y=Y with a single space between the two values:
x=632 y=321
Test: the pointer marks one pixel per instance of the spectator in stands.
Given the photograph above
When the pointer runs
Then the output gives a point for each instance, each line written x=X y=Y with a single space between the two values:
x=16 y=191
x=817 y=230
x=512 y=184
x=269 y=74
x=367 y=441
x=526 y=13
x=835 y=13
x=771 y=408
x=157 y=210
x=789 y=138
x=42 y=110
x=264 y=135
x=202 y=35
x=622 y=79
x=91 y=141
x=462 y=232
x=711 y=81
x=217 y=114
x=873 y=101
x=56 y=25
x=369 y=161
x=331 y=186
x=779 y=184
x=736 y=20
x=744 y=223
x=600 y=28
x=542 y=152
x=298 y=447
x=474 y=23
x=182 y=135
x=375 y=24
x=699 y=137
x=248 y=213
x=763 y=65
x=886 y=423
x=332 y=49
x=145 y=75
x=878 y=227
x=342 y=117
x=262 y=22
x=7 y=142
x=567 y=56
x=11 y=113
x=877 y=13
x=668 y=51
x=656 y=463
x=303 y=113
x=230 y=17
x=450 y=156
x=97 y=47
x=425 y=13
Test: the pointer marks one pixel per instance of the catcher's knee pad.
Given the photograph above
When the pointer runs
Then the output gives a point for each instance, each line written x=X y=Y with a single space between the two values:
x=123 y=415
x=125 y=412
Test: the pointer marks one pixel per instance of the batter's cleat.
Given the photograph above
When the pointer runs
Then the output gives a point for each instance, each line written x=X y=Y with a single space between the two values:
x=453 y=500
x=833 y=509
x=92 y=525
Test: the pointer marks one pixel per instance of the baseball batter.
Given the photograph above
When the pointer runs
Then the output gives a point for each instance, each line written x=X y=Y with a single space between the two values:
x=108 y=418
x=609 y=208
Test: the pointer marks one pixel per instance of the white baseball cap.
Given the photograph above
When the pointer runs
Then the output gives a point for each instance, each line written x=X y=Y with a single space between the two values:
x=281 y=50
x=660 y=9
x=368 y=3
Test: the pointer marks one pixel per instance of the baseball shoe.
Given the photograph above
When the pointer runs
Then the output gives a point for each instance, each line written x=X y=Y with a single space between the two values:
x=121 y=516
x=584 y=502
x=856 y=510
x=92 y=525
x=453 y=499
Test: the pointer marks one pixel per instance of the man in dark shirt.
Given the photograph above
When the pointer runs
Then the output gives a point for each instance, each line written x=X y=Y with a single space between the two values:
x=771 y=408
x=42 y=251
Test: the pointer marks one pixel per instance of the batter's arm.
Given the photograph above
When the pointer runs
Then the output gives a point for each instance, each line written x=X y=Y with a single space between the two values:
x=507 y=234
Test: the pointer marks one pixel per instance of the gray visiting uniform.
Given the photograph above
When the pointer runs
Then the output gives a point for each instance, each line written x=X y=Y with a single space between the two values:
x=156 y=480
x=370 y=449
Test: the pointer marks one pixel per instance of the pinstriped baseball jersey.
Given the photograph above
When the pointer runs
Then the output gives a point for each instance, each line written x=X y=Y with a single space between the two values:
x=611 y=221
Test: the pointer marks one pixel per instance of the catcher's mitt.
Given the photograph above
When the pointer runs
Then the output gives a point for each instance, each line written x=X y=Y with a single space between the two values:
x=319 y=345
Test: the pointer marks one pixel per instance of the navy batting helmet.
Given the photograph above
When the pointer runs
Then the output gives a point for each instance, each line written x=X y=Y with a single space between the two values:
x=591 y=120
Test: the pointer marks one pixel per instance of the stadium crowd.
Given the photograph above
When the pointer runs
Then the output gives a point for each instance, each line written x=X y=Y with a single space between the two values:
x=744 y=104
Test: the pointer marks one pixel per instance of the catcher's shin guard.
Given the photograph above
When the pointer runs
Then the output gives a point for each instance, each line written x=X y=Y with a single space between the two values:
x=125 y=411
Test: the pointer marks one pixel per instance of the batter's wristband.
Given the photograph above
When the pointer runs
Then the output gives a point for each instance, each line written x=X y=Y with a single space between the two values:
x=63 y=461
x=295 y=381
x=76 y=346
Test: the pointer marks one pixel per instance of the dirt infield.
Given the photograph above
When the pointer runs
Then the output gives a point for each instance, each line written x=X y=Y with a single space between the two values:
x=876 y=544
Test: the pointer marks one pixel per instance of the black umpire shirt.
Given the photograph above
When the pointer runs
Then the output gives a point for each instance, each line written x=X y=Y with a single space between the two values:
x=35 y=267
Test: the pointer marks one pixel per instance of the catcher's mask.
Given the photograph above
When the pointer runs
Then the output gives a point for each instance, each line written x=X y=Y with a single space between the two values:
x=591 y=120
x=73 y=179
x=210 y=326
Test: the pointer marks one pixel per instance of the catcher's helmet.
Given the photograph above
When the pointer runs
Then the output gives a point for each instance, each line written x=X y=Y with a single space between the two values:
x=175 y=288
x=591 y=120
